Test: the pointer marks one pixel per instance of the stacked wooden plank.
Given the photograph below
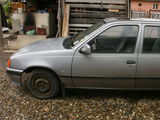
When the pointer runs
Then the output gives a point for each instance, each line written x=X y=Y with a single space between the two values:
x=81 y=14
x=16 y=5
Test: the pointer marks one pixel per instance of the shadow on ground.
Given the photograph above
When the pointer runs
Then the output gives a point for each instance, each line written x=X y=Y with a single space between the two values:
x=129 y=94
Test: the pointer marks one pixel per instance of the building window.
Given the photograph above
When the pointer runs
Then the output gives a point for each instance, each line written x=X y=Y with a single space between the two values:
x=139 y=4
x=155 y=6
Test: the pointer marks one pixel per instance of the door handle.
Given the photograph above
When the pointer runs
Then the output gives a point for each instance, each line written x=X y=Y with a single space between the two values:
x=131 y=62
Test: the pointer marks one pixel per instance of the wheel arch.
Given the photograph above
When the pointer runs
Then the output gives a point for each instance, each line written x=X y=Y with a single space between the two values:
x=30 y=69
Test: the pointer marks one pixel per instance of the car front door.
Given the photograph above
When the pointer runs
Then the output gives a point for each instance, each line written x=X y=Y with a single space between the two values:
x=148 y=68
x=112 y=63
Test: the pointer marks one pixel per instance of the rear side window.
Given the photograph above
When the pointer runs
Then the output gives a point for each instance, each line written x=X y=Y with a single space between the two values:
x=151 y=40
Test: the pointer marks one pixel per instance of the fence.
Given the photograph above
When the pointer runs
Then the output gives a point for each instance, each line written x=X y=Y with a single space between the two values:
x=150 y=14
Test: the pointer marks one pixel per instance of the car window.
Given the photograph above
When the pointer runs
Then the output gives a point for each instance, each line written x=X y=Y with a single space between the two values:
x=80 y=36
x=117 y=39
x=151 y=40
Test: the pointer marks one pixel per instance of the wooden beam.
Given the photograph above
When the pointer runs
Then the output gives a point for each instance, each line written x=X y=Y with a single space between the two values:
x=98 y=1
x=80 y=25
x=99 y=15
x=95 y=11
x=83 y=21
x=1 y=43
x=76 y=29
x=128 y=8
x=66 y=20
x=73 y=33
x=90 y=20
x=98 y=6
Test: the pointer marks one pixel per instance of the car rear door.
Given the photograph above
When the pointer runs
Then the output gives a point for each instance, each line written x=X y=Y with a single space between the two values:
x=113 y=63
x=148 y=68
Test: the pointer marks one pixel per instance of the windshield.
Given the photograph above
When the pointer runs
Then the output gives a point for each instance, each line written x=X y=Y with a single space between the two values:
x=71 y=41
x=80 y=36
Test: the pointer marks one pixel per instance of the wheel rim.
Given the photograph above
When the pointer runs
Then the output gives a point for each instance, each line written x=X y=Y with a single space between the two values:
x=41 y=84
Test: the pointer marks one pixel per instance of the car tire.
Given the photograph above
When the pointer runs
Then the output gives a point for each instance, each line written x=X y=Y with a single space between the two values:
x=43 y=84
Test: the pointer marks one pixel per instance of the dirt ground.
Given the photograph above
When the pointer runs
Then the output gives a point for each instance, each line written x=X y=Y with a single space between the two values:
x=18 y=104
x=19 y=41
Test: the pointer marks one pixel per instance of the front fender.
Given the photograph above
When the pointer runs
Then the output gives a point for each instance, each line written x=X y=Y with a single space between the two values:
x=60 y=64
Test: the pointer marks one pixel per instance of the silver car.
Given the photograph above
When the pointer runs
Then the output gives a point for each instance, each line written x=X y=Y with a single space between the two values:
x=112 y=54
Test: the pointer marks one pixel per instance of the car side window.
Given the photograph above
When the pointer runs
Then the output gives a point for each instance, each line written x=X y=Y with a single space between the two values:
x=151 y=40
x=117 y=39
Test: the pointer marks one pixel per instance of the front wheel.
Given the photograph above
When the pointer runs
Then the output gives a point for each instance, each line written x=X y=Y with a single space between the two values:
x=43 y=84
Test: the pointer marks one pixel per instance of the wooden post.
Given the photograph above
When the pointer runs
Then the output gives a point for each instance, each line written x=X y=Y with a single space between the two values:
x=128 y=5
x=65 y=27
x=1 y=43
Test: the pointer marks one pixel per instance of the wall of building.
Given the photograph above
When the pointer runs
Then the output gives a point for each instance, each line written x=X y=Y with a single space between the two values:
x=145 y=5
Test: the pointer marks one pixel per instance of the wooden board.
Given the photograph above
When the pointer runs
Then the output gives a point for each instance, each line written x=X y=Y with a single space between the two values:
x=16 y=5
x=95 y=11
x=98 y=6
x=99 y=15
x=77 y=29
x=80 y=25
x=65 y=20
x=85 y=13
x=83 y=20
x=98 y=1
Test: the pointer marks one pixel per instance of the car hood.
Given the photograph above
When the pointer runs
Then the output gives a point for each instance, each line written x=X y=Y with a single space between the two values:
x=43 y=45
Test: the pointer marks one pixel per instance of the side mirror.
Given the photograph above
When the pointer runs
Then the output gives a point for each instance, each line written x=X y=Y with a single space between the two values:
x=86 y=49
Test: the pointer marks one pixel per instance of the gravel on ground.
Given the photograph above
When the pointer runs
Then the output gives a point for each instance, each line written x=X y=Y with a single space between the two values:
x=18 y=104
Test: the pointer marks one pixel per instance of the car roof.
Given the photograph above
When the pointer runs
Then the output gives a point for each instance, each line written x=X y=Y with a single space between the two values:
x=139 y=20
x=145 y=19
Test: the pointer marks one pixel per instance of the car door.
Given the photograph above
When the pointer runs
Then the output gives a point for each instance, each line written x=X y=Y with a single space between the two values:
x=112 y=63
x=148 y=68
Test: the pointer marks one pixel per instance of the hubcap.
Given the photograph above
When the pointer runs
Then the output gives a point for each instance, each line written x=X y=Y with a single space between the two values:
x=42 y=84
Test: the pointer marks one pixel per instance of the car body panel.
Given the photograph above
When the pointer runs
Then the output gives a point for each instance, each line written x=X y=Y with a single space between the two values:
x=108 y=70
x=15 y=75
x=77 y=70
x=42 y=45
x=97 y=70
x=57 y=59
x=148 y=68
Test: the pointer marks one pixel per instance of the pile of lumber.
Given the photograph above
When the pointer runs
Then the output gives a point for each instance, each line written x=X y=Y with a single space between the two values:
x=81 y=14
x=16 y=5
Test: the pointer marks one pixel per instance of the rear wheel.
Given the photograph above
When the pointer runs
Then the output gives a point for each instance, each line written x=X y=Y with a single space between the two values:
x=43 y=84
